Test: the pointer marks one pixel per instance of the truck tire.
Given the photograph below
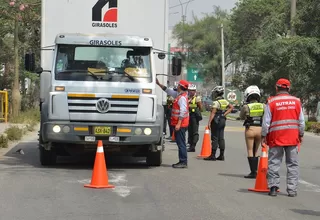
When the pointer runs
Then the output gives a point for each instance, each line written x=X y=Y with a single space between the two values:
x=47 y=157
x=154 y=158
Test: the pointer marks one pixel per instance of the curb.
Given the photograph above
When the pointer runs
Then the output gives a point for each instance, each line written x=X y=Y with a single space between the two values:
x=12 y=144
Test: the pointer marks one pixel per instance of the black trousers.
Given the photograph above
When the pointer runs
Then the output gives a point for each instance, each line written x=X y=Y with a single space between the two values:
x=165 y=107
x=193 y=131
x=217 y=133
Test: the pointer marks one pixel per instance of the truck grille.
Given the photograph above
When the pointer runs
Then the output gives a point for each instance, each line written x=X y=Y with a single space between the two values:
x=88 y=105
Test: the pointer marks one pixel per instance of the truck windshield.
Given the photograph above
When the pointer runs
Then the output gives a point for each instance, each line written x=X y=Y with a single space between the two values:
x=93 y=63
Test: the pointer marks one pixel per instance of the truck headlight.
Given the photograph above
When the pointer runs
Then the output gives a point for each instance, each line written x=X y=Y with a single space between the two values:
x=138 y=131
x=56 y=129
x=66 y=129
x=147 y=131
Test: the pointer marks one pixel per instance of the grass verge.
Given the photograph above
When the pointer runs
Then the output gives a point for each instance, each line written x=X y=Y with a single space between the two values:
x=313 y=127
x=27 y=121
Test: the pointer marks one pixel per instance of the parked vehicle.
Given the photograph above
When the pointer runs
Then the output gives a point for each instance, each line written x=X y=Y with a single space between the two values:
x=102 y=86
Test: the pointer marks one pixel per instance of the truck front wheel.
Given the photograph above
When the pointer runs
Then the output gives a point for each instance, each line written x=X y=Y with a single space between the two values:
x=47 y=157
x=154 y=158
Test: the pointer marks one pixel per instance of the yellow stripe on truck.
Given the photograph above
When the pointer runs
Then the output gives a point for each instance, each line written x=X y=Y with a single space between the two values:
x=124 y=96
x=77 y=95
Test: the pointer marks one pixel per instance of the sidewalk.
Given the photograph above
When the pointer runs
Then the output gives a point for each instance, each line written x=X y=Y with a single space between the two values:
x=4 y=126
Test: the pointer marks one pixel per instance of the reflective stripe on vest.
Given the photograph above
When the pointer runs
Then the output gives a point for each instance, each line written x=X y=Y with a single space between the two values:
x=175 y=114
x=284 y=126
x=193 y=105
x=223 y=106
x=256 y=111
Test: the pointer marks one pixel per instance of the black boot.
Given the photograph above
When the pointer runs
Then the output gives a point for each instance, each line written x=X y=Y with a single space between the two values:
x=221 y=156
x=253 y=168
x=212 y=156
x=273 y=191
x=192 y=148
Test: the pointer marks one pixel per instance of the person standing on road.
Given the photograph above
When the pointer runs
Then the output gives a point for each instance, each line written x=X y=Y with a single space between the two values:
x=217 y=122
x=252 y=114
x=195 y=108
x=170 y=100
x=282 y=130
x=179 y=119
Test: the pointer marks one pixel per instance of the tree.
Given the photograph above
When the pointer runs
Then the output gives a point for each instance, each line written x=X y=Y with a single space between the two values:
x=202 y=39
x=17 y=18
x=261 y=41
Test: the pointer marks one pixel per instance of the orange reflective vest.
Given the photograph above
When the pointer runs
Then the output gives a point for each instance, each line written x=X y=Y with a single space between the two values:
x=284 y=126
x=176 y=112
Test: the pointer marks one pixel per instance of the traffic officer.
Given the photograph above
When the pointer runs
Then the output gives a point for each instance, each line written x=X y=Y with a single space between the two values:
x=179 y=119
x=170 y=100
x=195 y=108
x=217 y=122
x=252 y=113
x=283 y=130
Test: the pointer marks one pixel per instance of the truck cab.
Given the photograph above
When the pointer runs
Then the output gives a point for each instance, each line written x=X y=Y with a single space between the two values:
x=100 y=87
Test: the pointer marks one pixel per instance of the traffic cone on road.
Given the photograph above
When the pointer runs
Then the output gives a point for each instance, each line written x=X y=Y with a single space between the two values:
x=261 y=184
x=206 y=144
x=99 y=178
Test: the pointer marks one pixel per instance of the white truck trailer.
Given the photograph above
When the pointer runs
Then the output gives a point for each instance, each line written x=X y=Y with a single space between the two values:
x=99 y=60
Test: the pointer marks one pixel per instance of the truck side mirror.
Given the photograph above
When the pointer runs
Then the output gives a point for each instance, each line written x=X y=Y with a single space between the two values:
x=176 y=66
x=38 y=70
x=161 y=56
x=29 y=62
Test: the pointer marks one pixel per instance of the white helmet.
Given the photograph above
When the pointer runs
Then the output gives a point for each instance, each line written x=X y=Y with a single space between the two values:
x=192 y=87
x=218 y=89
x=250 y=91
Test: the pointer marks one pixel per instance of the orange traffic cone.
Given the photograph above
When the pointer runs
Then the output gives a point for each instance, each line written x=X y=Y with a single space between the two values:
x=173 y=137
x=99 y=178
x=261 y=180
x=206 y=144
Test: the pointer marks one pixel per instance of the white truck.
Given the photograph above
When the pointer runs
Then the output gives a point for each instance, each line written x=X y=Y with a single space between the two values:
x=99 y=60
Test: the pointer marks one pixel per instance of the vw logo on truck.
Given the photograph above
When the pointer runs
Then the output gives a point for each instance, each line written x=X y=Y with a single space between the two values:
x=103 y=105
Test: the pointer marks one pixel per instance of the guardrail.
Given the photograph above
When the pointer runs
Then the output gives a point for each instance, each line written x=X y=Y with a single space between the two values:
x=4 y=106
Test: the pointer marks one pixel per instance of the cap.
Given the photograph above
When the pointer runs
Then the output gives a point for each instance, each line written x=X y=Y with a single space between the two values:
x=283 y=83
x=184 y=83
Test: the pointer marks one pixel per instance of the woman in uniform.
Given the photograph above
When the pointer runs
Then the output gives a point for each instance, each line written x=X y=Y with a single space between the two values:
x=252 y=113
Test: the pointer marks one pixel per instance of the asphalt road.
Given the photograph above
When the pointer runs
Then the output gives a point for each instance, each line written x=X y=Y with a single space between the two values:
x=206 y=190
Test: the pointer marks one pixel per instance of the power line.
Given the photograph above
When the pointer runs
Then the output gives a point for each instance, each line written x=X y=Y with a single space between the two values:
x=180 y=4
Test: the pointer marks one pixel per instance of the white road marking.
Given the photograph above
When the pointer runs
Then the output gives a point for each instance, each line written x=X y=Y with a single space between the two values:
x=310 y=186
x=121 y=184
x=119 y=180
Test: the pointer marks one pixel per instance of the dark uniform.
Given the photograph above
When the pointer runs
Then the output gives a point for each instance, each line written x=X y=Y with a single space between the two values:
x=168 y=114
x=193 y=129
x=218 y=125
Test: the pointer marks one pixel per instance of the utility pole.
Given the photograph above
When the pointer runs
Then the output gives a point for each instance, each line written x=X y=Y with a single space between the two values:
x=183 y=16
x=293 y=15
x=222 y=61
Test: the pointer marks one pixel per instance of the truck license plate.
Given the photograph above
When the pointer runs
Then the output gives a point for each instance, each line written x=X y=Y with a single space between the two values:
x=90 y=138
x=114 y=139
x=102 y=130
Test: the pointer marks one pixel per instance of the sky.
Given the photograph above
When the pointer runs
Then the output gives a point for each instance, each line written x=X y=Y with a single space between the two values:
x=198 y=7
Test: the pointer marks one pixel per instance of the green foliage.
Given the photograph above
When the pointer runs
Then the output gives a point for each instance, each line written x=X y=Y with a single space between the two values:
x=202 y=39
x=313 y=127
x=26 y=14
x=263 y=44
x=30 y=117
x=14 y=133
x=4 y=141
